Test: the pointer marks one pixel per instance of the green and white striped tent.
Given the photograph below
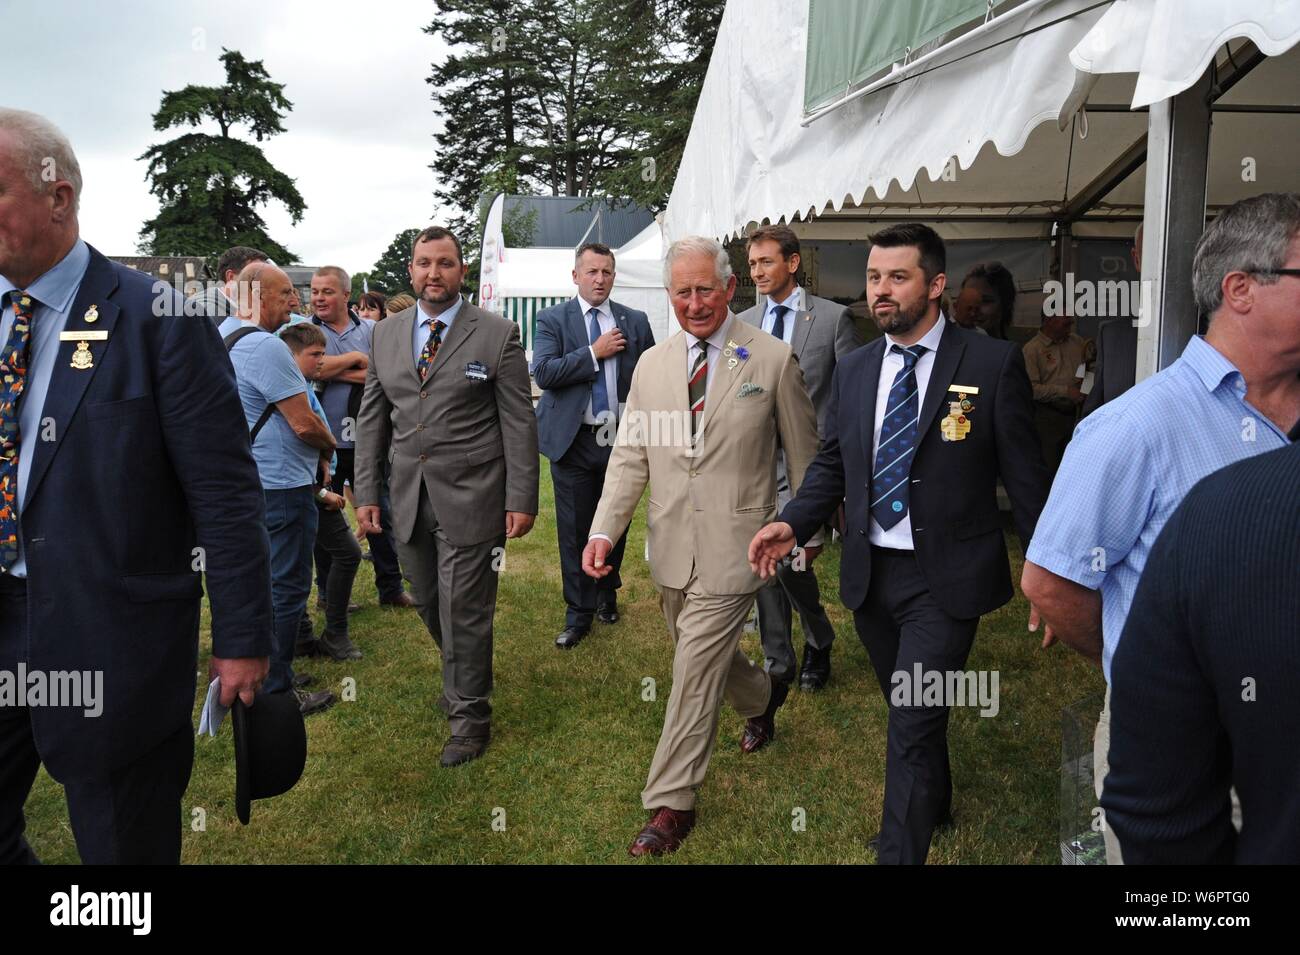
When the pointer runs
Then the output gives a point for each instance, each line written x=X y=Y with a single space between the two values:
x=523 y=309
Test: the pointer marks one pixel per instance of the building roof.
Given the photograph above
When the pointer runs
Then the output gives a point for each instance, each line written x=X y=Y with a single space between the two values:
x=561 y=221
x=166 y=266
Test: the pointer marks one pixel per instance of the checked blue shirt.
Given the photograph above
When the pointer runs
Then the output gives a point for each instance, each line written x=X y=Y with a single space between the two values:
x=1129 y=466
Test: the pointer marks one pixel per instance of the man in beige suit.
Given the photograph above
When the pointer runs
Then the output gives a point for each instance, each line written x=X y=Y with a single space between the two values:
x=448 y=401
x=705 y=415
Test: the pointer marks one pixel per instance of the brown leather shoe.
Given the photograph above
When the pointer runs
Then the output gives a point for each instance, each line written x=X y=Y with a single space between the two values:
x=663 y=833
x=761 y=730
x=401 y=600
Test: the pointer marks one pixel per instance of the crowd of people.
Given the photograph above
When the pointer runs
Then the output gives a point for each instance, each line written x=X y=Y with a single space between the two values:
x=159 y=456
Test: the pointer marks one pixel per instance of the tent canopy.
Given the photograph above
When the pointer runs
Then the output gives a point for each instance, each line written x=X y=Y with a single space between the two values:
x=1034 y=118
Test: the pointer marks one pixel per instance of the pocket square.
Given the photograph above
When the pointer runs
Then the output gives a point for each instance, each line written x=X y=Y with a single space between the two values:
x=749 y=388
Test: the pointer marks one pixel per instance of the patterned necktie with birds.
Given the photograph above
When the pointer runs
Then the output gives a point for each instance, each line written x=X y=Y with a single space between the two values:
x=698 y=385
x=13 y=376
x=898 y=430
x=430 y=350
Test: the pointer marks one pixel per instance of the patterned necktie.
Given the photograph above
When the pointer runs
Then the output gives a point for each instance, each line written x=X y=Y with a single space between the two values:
x=778 y=322
x=898 y=430
x=430 y=350
x=699 y=385
x=599 y=390
x=13 y=376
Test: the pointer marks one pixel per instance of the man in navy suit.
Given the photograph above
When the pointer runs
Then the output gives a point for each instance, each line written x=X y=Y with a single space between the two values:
x=921 y=424
x=127 y=475
x=583 y=358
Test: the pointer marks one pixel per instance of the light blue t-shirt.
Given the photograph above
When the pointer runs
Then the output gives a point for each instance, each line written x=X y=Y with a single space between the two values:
x=355 y=336
x=266 y=373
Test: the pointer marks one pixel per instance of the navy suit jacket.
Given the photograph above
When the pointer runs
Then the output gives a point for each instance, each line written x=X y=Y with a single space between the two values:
x=148 y=478
x=563 y=369
x=952 y=500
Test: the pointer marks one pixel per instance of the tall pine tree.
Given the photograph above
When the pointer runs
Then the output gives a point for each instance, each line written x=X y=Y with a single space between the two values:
x=210 y=187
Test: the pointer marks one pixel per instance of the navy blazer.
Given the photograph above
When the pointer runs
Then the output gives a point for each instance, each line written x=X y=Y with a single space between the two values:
x=952 y=500
x=562 y=367
x=148 y=479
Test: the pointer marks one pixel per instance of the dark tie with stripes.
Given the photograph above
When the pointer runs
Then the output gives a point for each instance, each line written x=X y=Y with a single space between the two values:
x=699 y=385
x=889 y=476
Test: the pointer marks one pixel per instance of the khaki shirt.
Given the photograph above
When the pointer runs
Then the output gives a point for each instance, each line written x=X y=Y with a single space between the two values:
x=1052 y=366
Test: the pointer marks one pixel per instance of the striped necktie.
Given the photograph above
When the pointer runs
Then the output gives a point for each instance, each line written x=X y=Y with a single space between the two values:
x=897 y=444
x=698 y=385
x=13 y=376
x=430 y=350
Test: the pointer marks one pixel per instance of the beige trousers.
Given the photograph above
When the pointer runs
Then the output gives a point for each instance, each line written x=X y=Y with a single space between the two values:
x=708 y=666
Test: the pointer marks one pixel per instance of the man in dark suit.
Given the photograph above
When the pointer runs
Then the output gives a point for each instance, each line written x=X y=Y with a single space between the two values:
x=820 y=333
x=125 y=474
x=921 y=425
x=1115 y=370
x=583 y=358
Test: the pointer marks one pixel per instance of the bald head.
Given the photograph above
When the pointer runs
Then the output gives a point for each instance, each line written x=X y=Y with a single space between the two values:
x=264 y=295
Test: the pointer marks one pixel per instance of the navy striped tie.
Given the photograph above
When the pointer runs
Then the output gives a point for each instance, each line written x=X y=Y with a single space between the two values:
x=889 y=476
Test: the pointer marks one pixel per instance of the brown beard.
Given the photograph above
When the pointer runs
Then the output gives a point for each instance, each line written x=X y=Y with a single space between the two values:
x=904 y=320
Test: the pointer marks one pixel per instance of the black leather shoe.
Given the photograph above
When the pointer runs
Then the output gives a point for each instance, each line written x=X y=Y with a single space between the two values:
x=607 y=613
x=570 y=637
x=761 y=730
x=816 y=670
x=309 y=703
x=302 y=679
x=461 y=749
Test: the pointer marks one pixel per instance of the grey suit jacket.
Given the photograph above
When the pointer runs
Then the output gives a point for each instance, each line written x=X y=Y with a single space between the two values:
x=1116 y=367
x=824 y=333
x=472 y=442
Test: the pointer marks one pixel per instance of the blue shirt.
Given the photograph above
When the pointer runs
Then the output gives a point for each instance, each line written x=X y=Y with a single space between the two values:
x=266 y=373
x=420 y=333
x=793 y=302
x=334 y=396
x=54 y=293
x=1129 y=465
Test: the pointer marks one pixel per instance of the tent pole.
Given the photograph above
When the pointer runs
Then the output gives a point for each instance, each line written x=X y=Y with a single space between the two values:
x=1178 y=147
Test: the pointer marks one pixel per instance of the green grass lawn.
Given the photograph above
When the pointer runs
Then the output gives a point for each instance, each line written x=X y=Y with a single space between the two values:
x=572 y=740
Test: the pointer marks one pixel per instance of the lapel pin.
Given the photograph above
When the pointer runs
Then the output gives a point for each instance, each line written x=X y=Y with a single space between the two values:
x=82 y=358
x=92 y=315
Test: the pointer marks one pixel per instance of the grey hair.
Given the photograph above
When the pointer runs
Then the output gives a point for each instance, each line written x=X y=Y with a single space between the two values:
x=1252 y=235
x=698 y=245
x=42 y=147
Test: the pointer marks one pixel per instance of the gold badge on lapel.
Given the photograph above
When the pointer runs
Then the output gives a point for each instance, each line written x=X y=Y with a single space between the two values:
x=92 y=315
x=956 y=426
x=82 y=358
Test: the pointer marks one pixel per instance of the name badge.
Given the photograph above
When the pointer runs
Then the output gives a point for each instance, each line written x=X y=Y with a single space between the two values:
x=966 y=389
x=476 y=371
x=85 y=335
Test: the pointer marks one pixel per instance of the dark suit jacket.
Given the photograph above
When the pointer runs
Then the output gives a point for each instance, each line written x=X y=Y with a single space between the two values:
x=150 y=460
x=1116 y=368
x=956 y=527
x=562 y=368
x=1218 y=603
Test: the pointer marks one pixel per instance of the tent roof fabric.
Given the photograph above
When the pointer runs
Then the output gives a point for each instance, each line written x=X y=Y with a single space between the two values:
x=562 y=220
x=1013 y=88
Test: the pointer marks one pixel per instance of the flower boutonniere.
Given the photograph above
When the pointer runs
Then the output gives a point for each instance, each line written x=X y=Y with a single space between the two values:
x=735 y=353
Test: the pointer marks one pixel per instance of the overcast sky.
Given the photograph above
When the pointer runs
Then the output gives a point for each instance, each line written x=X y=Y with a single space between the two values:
x=358 y=141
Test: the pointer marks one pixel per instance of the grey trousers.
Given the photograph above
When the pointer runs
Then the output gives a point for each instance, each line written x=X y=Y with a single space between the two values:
x=795 y=589
x=455 y=593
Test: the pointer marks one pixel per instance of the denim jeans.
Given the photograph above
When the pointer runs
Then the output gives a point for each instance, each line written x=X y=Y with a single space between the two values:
x=291 y=526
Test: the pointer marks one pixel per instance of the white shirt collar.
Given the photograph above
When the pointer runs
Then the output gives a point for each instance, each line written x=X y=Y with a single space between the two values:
x=603 y=308
x=930 y=341
x=793 y=301
x=718 y=339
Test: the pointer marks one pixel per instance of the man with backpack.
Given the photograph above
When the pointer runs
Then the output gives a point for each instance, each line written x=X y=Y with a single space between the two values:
x=289 y=440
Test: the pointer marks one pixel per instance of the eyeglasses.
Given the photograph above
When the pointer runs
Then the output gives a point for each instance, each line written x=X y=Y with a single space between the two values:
x=1295 y=272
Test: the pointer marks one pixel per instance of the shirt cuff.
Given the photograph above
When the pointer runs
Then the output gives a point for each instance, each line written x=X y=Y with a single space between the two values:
x=603 y=537
x=1063 y=565
x=595 y=362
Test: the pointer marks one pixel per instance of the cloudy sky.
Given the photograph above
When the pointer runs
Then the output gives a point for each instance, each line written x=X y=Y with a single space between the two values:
x=358 y=141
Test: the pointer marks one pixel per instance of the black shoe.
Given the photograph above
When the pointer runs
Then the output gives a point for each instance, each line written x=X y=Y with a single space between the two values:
x=607 y=613
x=816 y=670
x=310 y=703
x=302 y=679
x=308 y=648
x=366 y=555
x=461 y=749
x=570 y=637
x=352 y=607
x=946 y=824
x=338 y=648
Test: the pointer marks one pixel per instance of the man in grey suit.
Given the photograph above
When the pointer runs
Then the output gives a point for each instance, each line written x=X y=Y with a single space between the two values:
x=219 y=302
x=447 y=401
x=821 y=333
x=1115 y=370
x=583 y=356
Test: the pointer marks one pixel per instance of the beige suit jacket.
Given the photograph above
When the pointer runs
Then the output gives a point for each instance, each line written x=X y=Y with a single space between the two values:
x=468 y=433
x=708 y=501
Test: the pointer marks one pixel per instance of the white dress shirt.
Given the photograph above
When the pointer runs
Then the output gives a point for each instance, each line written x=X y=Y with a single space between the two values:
x=605 y=316
x=794 y=302
x=899 y=536
x=719 y=341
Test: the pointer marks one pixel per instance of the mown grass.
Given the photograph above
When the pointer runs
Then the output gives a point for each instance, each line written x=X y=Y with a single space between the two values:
x=573 y=738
